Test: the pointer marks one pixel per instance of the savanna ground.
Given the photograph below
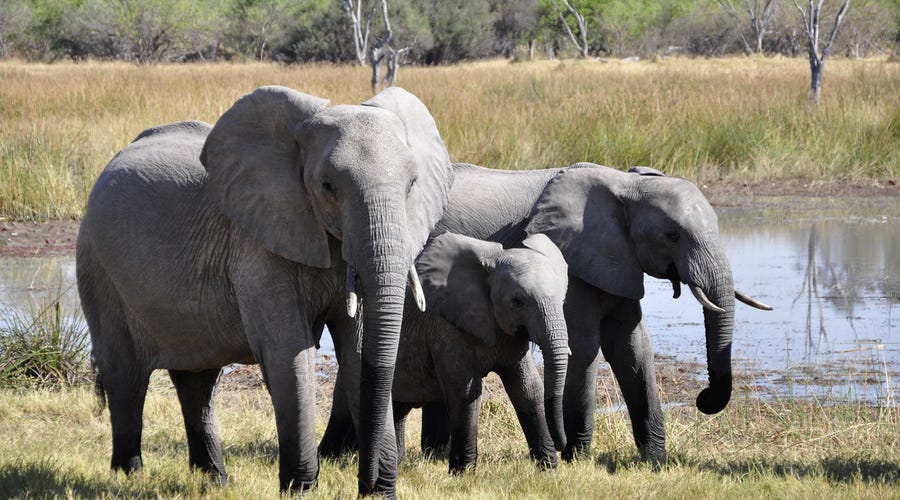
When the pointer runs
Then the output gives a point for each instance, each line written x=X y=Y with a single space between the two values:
x=739 y=128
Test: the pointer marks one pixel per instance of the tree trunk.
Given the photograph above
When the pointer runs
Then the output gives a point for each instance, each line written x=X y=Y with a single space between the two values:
x=815 y=90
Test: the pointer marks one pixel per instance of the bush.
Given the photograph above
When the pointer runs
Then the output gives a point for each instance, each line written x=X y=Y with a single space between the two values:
x=46 y=348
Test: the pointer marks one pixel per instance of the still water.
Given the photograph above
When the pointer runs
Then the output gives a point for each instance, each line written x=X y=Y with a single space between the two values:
x=830 y=269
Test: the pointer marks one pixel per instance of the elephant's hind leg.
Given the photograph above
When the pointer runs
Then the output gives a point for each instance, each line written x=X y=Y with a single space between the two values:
x=126 y=389
x=196 y=392
x=122 y=376
x=435 y=438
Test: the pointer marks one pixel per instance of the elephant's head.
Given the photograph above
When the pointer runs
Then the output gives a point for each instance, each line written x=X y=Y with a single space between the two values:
x=487 y=291
x=614 y=226
x=317 y=184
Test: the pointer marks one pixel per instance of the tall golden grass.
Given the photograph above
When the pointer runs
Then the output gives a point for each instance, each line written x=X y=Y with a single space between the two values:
x=740 y=119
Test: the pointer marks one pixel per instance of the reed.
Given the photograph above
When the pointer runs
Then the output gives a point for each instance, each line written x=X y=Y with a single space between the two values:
x=45 y=347
x=720 y=120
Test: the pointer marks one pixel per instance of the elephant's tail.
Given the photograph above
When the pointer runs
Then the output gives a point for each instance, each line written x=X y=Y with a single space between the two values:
x=99 y=391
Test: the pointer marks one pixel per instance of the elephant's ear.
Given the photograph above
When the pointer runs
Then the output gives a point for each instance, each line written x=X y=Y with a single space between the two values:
x=582 y=214
x=454 y=274
x=433 y=177
x=255 y=174
x=541 y=244
x=646 y=171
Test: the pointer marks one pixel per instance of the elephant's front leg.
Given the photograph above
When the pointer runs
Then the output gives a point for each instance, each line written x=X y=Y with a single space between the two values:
x=280 y=335
x=583 y=317
x=525 y=389
x=290 y=376
x=626 y=346
x=463 y=398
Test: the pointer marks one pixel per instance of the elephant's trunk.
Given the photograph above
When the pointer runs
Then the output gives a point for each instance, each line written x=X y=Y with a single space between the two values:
x=381 y=258
x=555 y=349
x=383 y=297
x=711 y=274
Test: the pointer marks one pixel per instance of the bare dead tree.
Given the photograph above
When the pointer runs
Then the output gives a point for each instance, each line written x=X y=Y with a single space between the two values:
x=816 y=56
x=360 y=34
x=759 y=13
x=383 y=50
x=581 y=45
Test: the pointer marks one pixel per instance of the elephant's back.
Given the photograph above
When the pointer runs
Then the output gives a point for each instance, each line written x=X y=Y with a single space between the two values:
x=492 y=204
x=153 y=233
x=161 y=161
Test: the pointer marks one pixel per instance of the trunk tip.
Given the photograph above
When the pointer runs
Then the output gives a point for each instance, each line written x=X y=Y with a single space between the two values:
x=713 y=399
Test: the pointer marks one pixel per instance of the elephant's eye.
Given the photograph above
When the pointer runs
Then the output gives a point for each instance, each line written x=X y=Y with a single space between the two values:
x=328 y=187
x=673 y=236
x=517 y=302
x=409 y=188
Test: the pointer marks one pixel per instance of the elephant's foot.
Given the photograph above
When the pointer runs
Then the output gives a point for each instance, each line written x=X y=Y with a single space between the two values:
x=546 y=462
x=128 y=465
x=218 y=478
x=459 y=466
x=382 y=489
x=654 y=455
x=295 y=487
x=576 y=450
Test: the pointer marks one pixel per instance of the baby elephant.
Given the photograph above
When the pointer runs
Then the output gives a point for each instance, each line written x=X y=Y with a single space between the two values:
x=484 y=304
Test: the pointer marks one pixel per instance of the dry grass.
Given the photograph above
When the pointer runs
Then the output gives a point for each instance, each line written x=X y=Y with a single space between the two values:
x=56 y=445
x=745 y=119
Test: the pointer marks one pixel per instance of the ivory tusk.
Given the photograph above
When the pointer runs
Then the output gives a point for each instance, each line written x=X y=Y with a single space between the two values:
x=352 y=298
x=416 y=286
x=750 y=301
x=704 y=301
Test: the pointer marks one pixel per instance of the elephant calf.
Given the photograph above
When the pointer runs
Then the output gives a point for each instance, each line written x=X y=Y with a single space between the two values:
x=485 y=304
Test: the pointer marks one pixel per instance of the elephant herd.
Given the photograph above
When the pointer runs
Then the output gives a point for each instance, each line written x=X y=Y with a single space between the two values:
x=239 y=242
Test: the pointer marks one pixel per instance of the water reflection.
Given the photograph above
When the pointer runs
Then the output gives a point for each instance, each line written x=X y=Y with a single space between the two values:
x=28 y=284
x=831 y=269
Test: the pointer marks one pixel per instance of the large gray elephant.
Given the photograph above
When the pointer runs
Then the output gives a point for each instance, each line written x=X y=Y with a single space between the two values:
x=205 y=246
x=484 y=305
x=612 y=227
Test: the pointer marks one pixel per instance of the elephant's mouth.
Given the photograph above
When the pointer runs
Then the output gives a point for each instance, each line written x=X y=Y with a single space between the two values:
x=672 y=275
x=353 y=296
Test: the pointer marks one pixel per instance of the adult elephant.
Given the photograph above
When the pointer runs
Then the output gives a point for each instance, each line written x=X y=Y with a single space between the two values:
x=205 y=246
x=612 y=227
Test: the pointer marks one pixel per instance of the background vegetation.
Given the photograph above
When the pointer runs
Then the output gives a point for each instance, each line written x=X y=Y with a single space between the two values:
x=439 y=31
x=732 y=119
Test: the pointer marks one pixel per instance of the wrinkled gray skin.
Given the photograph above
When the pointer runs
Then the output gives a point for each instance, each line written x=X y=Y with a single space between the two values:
x=201 y=247
x=612 y=227
x=484 y=305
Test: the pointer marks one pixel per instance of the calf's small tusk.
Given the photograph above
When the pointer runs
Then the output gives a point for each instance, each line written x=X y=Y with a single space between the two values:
x=416 y=286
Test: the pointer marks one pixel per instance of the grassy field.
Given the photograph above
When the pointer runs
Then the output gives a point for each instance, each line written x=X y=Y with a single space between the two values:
x=56 y=445
x=738 y=120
